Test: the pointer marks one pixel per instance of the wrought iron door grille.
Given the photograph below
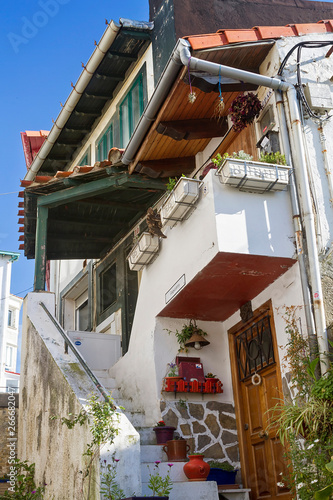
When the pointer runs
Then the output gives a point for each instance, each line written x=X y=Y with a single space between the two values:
x=254 y=348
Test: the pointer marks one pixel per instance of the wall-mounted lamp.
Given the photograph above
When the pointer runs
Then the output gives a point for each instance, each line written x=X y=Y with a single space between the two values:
x=197 y=341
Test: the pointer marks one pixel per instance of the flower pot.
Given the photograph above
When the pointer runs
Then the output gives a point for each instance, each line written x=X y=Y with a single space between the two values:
x=176 y=450
x=142 y=253
x=179 y=201
x=171 y=383
x=196 y=469
x=254 y=176
x=222 y=476
x=164 y=433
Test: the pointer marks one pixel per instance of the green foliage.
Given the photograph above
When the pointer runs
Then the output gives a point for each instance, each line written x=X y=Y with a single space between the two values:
x=186 y=333
x=110 y=489
x=276 y=158
x=160 y=486
x=305 y=424
x=240 y=155
x=222 y=465
x=327 y=492
x=24 y=487
x=172 y=182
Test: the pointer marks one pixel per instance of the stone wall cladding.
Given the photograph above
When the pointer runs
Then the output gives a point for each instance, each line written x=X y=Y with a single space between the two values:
x=4 y=433
x=208 y=427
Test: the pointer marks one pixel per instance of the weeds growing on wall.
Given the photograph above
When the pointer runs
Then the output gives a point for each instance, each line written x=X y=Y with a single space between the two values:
x=22 y=483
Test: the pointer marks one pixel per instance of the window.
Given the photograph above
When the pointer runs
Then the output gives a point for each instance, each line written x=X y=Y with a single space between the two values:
x=107 y=286
x=131 y=109
x=104 y=144
x=85 y=160
x=11 y=318
x=9 y=357
x=82 y=322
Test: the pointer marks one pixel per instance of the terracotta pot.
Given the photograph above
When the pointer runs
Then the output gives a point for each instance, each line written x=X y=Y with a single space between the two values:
x=196 y=469
x=176 y=450
x=164 y=433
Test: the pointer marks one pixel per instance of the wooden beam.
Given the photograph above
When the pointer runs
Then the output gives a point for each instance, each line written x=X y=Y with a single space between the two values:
x=192 y=129
x=128 y=57
x=168 y=167
x=166 y=103
x=115 y=204
x=40 y=249
x=110 y=77
x=96 y=96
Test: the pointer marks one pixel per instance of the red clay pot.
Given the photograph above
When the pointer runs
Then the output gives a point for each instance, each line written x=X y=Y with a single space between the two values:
x=196 y=469
x=176 y=450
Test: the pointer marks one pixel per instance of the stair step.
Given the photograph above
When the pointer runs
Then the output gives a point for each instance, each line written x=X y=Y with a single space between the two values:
x=189 y=490
x=176 y=471
x=234 y=494
x=152 y=452
x=147 y=435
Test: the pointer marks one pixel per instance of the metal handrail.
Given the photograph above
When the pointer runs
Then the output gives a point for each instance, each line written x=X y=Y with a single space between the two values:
x=84 y=365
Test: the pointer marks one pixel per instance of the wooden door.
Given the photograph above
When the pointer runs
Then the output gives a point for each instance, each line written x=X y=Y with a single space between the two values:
x=257 y=389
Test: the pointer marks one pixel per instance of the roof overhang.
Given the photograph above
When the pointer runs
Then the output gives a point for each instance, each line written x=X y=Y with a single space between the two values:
x=88 y=213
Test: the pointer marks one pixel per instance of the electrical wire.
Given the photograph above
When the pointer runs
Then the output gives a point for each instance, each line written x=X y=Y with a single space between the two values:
x=299 y=86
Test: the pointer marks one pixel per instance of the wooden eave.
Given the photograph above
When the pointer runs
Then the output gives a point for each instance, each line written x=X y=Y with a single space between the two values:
x=183 y=129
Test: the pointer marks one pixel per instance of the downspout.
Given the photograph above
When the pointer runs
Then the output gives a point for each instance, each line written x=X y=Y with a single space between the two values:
x=309 y=226
x=182 y=56
x=297 y=225
x=326 y=163
x=73 y=98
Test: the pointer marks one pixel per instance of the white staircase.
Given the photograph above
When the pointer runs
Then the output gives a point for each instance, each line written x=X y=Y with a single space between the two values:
x=182 y=488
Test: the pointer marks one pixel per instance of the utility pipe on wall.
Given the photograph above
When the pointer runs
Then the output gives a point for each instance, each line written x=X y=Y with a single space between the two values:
x=299 y=158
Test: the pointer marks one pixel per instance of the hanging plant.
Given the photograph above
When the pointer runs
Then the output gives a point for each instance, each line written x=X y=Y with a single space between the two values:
x=243 y=110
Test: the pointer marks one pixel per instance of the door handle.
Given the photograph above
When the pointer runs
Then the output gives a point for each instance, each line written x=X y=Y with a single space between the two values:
x=263 y=434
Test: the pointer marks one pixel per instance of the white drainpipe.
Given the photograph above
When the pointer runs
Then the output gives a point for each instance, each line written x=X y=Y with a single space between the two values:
x=85 y=77
x=182 y=56
x=299 y=158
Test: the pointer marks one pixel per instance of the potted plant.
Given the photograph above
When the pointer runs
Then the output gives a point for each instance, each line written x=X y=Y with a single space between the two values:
x=163 y=432
x=239 y=170
x=183 y=195
x=172 y=377
x=196 y=469
x=143 y=251
x=222 y=473
x=186 y=333
x=159 y=485
x=243 y=110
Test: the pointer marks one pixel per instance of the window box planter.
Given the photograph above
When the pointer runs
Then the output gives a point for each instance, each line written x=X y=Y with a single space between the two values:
x=210 y=386
x=180 y=201
x=222 y=476
x=253 y=176
x=142 y=253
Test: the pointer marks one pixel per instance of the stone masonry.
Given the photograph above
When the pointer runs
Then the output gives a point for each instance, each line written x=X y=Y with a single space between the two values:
x=208 y=427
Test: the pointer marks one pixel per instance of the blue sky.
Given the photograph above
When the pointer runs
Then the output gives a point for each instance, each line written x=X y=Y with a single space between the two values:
x=43 y=43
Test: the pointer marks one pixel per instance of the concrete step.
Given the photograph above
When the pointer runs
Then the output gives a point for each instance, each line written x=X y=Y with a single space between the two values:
x=176 y=471
x=152 y=452
x=147 y=435
x=189 y=490
x=234 y=494
x=105 y=379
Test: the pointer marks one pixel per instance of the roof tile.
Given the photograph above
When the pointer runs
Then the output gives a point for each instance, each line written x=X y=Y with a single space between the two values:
x=275 y=31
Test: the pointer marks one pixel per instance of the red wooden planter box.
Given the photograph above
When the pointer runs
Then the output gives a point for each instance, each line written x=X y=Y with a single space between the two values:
x=210 y=386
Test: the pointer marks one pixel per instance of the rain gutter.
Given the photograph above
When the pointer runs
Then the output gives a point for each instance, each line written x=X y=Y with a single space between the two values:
x=95 y=59
x=181 y=56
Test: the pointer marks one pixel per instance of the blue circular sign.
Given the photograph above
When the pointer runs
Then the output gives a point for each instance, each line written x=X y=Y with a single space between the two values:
x=78 y=342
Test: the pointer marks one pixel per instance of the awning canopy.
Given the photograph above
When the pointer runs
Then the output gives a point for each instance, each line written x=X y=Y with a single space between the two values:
x=87 y=213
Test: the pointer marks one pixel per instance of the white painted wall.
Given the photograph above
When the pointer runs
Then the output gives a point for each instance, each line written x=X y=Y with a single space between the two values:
x=189 y=246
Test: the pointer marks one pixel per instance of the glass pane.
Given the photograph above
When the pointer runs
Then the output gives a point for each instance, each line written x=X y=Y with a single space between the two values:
x=82 y=317
x=125 y=122
x=108 y=293
x=136 y=104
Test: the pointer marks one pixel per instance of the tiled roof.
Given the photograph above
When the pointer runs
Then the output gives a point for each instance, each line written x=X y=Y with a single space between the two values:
x=257 y=33
x=32 y=141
